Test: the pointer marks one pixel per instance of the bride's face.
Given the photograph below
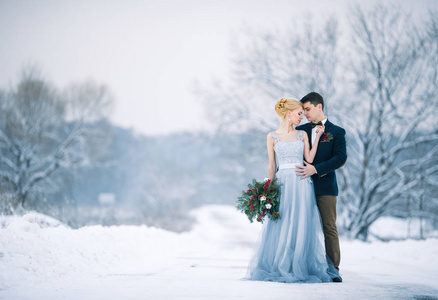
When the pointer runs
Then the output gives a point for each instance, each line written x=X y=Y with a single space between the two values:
x=296 y=116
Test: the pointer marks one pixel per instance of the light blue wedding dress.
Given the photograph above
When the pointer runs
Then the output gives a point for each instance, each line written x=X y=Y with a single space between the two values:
x=292 y=249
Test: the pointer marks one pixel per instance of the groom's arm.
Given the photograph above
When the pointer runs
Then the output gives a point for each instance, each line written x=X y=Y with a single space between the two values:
x=339 y=156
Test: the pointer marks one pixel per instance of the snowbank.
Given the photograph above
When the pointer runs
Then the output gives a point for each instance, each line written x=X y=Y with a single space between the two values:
x=391 y=228
x=41 y=258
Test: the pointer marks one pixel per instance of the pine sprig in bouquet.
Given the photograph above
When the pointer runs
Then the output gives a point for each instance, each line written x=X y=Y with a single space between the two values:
x=261 y=199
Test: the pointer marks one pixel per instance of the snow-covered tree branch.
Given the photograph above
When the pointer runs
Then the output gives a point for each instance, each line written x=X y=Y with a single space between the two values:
x=43 y=131
x=395 y=72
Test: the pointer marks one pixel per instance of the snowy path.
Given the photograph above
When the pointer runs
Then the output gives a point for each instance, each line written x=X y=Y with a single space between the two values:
x=130 y=262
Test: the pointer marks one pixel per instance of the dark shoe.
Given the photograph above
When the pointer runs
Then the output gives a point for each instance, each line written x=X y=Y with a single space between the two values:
x=337 y=279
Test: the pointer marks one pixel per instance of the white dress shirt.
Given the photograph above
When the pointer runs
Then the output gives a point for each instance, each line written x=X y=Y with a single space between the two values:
x=314 y=131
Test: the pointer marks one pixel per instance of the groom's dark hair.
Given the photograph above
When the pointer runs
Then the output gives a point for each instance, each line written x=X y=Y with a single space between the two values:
x=313 y=98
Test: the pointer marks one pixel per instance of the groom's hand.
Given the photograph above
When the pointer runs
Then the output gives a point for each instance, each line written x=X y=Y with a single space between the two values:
x=305 y=171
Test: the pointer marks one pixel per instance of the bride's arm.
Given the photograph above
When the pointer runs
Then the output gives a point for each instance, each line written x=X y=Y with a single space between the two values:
x=309 y=154
x=272 y=167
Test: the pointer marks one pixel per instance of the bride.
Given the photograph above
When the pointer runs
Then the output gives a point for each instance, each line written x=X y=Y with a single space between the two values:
x=292 y=249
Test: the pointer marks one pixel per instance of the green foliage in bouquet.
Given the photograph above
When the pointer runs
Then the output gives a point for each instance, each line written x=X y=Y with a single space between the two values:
x=261 y=199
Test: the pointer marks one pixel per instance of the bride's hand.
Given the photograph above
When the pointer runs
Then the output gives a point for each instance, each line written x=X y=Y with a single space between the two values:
x=320 y=130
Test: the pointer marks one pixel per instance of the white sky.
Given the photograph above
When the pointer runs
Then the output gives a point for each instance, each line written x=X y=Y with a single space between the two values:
x=149 y=53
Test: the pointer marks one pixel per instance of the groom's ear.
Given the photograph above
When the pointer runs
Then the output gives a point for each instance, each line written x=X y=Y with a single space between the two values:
x=319 y=106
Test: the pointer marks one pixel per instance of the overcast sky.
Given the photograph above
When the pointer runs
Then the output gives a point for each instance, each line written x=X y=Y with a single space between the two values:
x=149 y=53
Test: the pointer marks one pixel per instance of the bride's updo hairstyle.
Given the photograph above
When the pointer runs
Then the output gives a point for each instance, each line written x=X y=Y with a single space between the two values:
x=285 y=104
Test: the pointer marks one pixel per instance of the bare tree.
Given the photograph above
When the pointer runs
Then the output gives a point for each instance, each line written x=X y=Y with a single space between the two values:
x=303 y=57
x=43 y=131
x=271 y=65
x=395 y=70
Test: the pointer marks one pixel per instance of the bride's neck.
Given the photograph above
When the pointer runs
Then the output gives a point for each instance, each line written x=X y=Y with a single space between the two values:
x=284 y=128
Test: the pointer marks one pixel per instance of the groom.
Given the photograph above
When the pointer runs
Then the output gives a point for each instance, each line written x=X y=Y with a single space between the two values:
x=331 y=155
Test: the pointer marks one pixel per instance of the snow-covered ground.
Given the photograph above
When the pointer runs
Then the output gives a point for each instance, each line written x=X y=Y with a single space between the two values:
x=40 y=258
x=389 y=228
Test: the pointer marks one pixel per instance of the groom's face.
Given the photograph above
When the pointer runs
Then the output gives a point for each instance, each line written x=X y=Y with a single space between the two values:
x=311 y=112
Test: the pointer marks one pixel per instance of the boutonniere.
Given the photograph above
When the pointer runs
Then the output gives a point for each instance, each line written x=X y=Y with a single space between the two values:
x=327 y=137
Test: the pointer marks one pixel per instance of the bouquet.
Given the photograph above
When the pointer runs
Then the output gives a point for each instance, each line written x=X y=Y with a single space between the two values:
x=261 y=199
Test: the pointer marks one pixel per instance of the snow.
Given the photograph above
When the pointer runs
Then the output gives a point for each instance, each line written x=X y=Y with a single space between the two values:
x=40 y=258
x=399 y=228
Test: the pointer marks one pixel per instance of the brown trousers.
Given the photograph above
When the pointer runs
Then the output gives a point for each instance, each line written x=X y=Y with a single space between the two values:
x=327 y=209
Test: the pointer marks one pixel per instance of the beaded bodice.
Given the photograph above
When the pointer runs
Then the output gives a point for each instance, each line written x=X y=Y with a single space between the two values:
x=289 y=152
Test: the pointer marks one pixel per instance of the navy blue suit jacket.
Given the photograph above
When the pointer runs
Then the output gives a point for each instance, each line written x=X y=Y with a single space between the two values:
x=330 y=156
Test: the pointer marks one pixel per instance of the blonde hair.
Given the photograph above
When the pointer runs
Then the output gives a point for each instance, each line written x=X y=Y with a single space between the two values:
x=283 y=105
